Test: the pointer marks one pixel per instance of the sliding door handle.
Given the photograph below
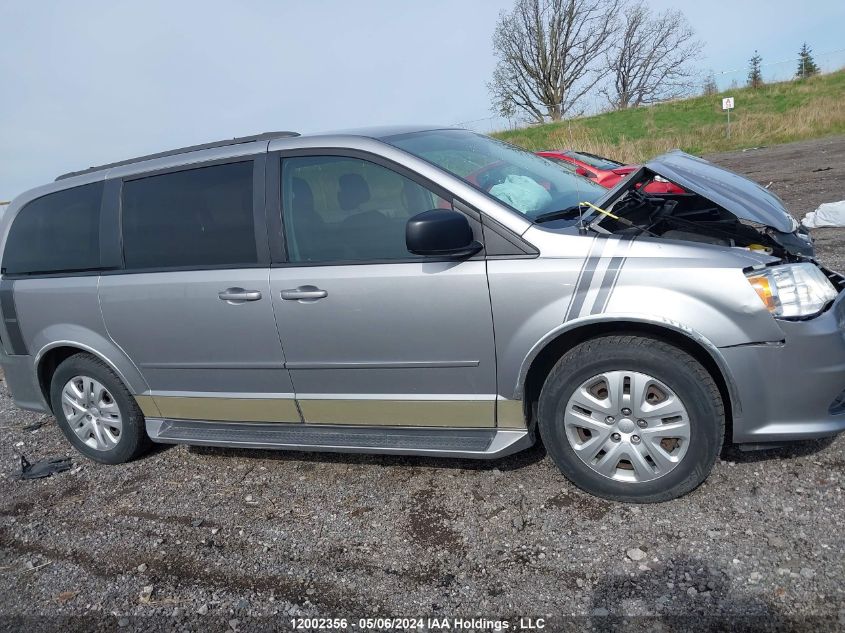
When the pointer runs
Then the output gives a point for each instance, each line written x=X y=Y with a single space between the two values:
x=304 y=293
x=239 y=295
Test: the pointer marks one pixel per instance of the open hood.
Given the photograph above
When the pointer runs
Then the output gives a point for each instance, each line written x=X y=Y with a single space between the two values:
x=745 y=199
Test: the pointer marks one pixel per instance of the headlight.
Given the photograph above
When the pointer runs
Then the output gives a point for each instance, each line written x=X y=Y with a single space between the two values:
x=793 y=290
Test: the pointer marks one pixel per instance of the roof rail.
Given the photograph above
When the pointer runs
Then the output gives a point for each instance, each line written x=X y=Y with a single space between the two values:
x=265 y=136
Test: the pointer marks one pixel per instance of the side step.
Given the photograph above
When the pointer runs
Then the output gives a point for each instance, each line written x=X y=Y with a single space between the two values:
x=437 y=442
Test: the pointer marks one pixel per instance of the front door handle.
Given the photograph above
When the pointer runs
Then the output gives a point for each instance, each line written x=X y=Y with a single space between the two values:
x=304 y=293
x=238 y=295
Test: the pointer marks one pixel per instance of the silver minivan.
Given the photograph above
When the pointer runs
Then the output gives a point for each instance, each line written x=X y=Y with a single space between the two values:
x=420 y=291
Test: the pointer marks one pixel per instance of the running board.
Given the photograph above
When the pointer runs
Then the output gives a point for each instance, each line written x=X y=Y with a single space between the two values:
x=437 y=442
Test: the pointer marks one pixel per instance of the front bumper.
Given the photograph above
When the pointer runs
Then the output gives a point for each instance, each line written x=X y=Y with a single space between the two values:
x=792 y=390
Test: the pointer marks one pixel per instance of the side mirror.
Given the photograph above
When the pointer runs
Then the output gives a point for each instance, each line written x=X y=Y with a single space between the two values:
x=440 y=232
x=583 y=171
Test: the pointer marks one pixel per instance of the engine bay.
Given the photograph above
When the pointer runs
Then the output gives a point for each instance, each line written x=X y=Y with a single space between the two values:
x=691 y=217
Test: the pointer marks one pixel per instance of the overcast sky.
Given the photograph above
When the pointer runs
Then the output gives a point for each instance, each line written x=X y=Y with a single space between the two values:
x=88 y=82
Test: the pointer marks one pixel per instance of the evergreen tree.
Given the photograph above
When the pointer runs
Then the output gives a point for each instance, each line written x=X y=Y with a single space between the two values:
x=710 y=87
x=755 y=74
x=806 y=64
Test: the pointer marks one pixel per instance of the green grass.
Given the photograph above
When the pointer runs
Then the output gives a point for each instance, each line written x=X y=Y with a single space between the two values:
x=775 y=113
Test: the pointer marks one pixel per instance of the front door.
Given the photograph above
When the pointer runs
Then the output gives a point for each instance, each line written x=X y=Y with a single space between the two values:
x=373 y=334
x=192 y=308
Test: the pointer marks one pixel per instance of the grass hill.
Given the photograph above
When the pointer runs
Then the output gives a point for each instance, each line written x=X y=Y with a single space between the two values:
x=775 y=113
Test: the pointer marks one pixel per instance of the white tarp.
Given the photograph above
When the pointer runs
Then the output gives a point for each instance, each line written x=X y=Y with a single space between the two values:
x=828 y=214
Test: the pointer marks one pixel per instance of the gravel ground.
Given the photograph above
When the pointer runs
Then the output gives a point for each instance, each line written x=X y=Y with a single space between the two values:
x=191 y=538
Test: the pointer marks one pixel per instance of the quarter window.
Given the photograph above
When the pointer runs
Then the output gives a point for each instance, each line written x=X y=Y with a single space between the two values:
x=190 y=218
x=59 y=232
x=346 y=209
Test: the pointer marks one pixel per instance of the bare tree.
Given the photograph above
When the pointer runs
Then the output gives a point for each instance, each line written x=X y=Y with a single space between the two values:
x=546 y=51
x=651 y=59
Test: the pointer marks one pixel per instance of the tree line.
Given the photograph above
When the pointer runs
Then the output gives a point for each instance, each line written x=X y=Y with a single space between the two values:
x=552 y=54
x=807 y=67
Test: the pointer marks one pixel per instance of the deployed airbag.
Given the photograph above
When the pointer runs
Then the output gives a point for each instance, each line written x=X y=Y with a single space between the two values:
x=522 y=193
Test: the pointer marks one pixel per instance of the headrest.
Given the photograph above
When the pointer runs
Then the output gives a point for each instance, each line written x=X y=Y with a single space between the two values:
x=353 y=191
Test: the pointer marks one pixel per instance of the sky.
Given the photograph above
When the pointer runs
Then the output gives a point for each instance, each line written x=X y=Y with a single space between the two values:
x=90 y=82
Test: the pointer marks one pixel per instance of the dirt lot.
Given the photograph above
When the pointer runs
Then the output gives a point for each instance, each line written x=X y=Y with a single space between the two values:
x=192 y=538
x=804 y=175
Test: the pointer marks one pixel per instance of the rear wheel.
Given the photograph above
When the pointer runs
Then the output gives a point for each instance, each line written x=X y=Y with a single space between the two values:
x=631 y=419
x=96 y=412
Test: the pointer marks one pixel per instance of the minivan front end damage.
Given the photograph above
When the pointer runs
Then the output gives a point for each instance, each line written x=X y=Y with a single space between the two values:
x=783 y=360
x=718 y=208
x=793 y=389
x=734 y=267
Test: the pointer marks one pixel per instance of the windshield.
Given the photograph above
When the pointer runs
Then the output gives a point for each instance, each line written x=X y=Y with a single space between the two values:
x=563 y=163
x=592 y=160
x=528 y=184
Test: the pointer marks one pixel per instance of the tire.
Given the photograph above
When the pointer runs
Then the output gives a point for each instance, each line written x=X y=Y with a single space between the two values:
x=660 y=468
x=106 y=441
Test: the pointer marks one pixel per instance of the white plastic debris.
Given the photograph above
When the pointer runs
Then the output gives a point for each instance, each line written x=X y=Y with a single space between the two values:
x=828 y=214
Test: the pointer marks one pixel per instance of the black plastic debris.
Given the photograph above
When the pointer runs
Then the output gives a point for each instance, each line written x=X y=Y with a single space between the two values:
x=44 y=468
x=35 y=425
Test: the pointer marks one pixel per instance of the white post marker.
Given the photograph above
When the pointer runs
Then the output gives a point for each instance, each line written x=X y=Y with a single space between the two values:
x=728 y=105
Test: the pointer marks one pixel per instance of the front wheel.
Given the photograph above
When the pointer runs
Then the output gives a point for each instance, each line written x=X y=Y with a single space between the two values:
x=631 y=418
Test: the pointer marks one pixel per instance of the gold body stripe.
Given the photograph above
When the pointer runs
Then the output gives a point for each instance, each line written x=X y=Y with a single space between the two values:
x=364 y=412
x=510 y=414
x=457 y=413
x=226 y=409
x=148 y=406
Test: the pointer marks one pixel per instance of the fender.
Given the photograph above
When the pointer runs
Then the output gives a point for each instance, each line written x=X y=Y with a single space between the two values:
x=617 y=319
x=95 y=344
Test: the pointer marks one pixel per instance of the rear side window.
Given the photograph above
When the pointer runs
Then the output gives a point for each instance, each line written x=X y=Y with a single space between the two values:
x=190 y=218
x=59 y=232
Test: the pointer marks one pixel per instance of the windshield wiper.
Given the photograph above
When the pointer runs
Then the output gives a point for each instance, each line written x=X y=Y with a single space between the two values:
x=568 y=213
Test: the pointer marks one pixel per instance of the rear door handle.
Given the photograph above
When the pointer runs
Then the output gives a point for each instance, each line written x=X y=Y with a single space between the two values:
x=304 y=293
x=238 y=295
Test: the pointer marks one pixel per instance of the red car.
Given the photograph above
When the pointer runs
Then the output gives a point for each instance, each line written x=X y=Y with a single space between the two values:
x=604 y=171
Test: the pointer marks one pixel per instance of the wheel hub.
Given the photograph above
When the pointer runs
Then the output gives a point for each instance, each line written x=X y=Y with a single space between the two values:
x=627 y=426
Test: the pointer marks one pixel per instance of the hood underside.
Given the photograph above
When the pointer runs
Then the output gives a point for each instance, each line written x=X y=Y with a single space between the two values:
x=715 y=207
x=745 y=199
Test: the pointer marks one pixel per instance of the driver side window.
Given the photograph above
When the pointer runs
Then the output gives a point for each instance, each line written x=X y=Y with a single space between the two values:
x=346 y=209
